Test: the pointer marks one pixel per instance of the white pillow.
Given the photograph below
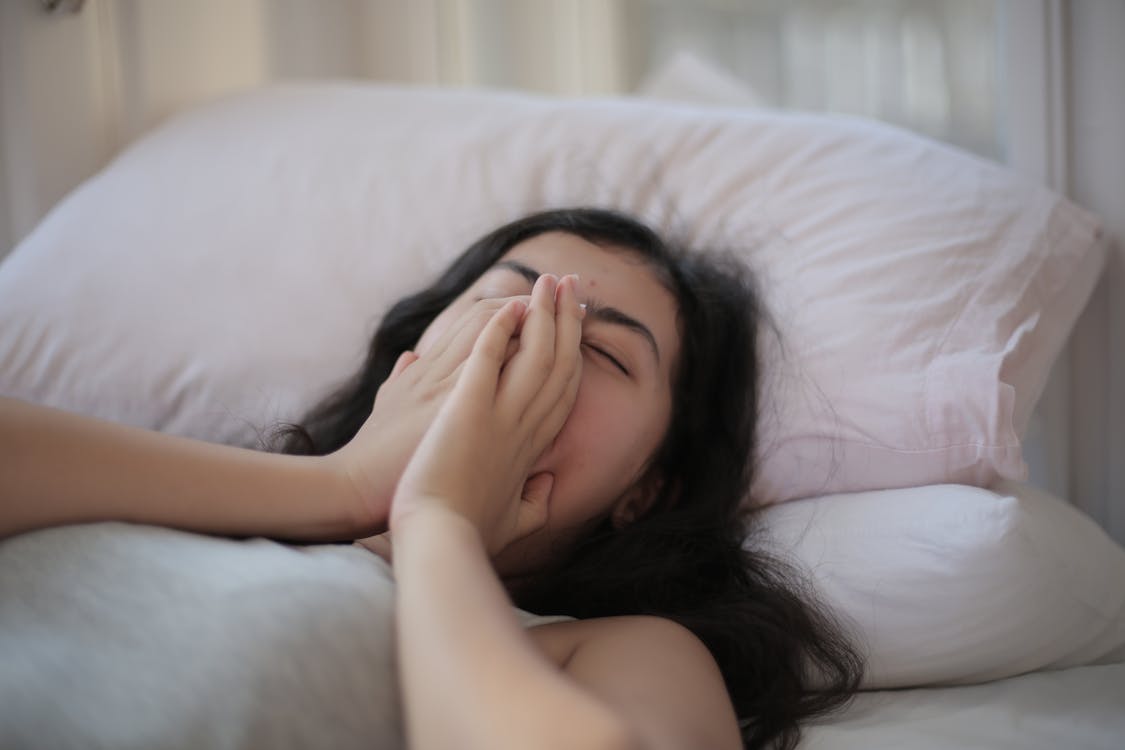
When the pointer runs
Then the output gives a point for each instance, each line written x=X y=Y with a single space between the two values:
x=953 y=584
x=226 y=271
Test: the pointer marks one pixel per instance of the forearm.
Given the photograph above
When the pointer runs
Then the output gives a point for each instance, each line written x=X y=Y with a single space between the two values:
x=60 y=468
x=471 y=676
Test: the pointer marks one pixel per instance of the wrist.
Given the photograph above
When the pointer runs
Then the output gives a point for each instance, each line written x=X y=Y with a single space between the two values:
x=431 y=544
x=431 y=522
x=309 y=502
x=353 y=495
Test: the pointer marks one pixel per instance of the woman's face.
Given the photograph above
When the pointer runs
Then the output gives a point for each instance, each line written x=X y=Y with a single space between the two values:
x=630 y=344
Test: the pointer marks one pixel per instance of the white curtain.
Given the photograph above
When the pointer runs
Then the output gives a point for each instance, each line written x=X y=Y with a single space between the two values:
x=930 y=65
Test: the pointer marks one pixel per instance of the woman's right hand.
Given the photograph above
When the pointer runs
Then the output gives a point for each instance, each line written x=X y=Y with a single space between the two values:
x=404 y=408
x=505 y=410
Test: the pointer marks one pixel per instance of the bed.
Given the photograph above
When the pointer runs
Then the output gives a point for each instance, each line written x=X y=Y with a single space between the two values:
x=224 y=273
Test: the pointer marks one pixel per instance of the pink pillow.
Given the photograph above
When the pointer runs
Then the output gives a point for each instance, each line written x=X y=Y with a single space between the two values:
x=225 y=271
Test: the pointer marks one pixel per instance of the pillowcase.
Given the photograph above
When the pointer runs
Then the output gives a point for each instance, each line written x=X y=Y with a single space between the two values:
x=952 y=584
x=226 y=271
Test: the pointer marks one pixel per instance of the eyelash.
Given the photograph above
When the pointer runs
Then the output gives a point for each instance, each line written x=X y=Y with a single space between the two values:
x=613 y=360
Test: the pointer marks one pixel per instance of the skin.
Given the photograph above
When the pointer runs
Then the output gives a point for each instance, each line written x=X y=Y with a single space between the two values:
x=633 y=682
x=623 y=405
x=508 y=430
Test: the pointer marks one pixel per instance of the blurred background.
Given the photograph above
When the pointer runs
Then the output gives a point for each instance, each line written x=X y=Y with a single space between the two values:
x=78 y=83
x=79 y=79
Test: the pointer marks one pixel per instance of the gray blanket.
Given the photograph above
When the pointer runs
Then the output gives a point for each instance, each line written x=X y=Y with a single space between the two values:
x=121 y=636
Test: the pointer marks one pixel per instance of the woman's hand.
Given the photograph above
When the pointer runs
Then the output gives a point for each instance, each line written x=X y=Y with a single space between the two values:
x=499 y=418
x=471 y=675
x=405 y=406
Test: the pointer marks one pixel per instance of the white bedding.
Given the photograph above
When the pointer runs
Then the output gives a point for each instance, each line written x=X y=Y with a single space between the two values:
x=1080 y=707
x=121 y=636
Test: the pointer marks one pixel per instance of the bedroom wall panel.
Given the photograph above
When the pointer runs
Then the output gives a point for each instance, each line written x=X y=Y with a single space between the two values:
x=76 y=87
x=1065 y=113
x=1096 y=143
x=1034 y=116
x=172 y=55
x=317 y=40
x=57 y=125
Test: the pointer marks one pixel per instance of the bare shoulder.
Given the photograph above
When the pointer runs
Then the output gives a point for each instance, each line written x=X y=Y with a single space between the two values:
x=653 y=670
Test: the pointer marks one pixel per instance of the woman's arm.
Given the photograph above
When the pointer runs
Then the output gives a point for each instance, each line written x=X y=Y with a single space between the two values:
x=642 y=682
x=472 y=677
x=61 y=468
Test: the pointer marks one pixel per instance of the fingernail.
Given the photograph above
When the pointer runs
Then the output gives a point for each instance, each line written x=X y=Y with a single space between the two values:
x=581 y=310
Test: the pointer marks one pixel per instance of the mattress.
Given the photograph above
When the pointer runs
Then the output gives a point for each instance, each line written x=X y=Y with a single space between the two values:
x=1080 y=707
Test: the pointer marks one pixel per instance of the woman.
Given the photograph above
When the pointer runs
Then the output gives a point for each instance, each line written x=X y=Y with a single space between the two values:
x=561 y=420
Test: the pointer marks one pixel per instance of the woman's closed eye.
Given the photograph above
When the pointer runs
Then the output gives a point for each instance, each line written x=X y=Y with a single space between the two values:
x=601 y=352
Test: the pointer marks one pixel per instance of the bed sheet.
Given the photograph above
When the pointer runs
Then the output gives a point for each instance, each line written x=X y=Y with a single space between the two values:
x=121 y=636
x=1076 y=708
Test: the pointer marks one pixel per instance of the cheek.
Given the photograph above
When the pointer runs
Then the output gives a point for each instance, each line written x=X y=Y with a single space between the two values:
x=606 y=441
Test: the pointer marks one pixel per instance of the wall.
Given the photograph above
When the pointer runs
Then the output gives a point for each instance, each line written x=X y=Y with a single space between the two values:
x=54 y=117
x=1096 y=179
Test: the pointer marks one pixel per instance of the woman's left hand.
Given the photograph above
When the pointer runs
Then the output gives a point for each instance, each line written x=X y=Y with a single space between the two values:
x=474 y=459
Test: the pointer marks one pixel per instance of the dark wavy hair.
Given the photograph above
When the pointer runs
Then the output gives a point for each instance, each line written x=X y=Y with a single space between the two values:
x=783 y=656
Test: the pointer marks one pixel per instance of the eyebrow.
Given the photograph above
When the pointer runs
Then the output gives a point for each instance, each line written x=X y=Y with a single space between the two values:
x=594 y=309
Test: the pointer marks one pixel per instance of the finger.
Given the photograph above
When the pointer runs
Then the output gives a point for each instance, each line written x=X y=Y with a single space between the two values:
x=568 y=337
x=554 y=421
x=534 y=507
x=454 y=347
x=532 y=364
x=404 y=360
x=561 y=386
x=481 y=371
x=455 y=343
x=513 y=347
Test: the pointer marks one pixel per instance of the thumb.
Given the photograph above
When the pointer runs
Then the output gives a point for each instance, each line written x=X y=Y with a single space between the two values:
x=534 y=508
x=404 y=360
